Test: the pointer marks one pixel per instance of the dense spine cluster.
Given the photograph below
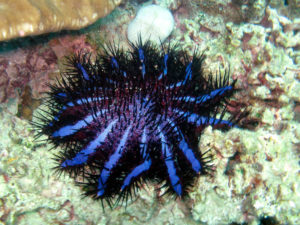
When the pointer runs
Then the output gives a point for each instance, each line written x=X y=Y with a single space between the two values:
x=132 y=116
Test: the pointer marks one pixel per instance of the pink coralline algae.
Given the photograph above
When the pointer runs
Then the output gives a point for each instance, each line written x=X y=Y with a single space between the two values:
x=25 y=67
x=34 y=66
x=67 y=45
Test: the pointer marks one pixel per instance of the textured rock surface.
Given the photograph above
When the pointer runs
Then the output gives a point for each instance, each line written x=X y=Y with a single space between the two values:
x=257 y=172
x=34 y=66
x=25 y=17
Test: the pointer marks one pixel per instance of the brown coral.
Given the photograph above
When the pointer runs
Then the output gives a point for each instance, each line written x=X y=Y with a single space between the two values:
x=32 y=17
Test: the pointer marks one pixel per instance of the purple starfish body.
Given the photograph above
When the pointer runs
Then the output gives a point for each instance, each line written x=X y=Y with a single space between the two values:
x=133 y=116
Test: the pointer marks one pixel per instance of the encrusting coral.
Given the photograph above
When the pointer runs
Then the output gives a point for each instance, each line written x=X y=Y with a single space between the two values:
x=43 y=16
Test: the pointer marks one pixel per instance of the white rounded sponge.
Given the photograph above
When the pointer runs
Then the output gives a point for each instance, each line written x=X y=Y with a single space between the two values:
x=153 y=23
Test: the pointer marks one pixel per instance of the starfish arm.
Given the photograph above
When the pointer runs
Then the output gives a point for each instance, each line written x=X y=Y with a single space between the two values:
x=165 y=67
x=142 y=167
x=78 y=102
x=137 y=171
x=71 y=129
x=198 y=120
x=204 y=98
x=188 y=77
x=82 y=156
x=168 y=158
x=112 y=161
x=83 y=71
x=142 y=60
x=186 y=150
x=115 y=66
x=143 y=144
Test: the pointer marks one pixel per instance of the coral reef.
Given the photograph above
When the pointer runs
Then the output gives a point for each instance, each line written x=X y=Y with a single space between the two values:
x=257 y=171
x=152 y=22
x=25 y=67
x=35 y=66
x=41 y=16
